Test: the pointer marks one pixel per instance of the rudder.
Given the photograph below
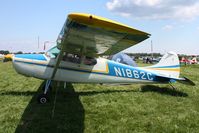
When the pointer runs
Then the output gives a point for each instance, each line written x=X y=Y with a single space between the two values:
x=168 y=66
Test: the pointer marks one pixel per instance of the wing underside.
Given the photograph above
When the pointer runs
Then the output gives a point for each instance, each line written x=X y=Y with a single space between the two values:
x=92 y=35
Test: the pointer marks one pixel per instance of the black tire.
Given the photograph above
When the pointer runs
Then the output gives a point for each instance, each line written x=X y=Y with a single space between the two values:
x=42 y=99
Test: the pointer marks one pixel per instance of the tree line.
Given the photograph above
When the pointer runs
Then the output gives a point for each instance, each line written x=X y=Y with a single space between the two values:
x=5 y=52
x=155 y=55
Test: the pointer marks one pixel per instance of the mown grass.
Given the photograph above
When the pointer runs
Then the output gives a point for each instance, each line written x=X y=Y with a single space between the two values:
x=98 y=108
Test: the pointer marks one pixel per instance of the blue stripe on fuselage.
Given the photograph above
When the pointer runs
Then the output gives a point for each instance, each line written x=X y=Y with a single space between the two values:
x=174 y=66
x=31 y=56
x=115 y=69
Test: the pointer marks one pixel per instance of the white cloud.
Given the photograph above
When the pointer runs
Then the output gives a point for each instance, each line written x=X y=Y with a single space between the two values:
x=156 y=9
x=168 y=27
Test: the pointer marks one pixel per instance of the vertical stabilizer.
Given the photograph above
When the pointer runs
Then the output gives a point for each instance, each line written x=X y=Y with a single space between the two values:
x=168 y=65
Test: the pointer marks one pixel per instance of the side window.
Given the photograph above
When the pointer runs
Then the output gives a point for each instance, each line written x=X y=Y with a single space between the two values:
x=74 y=58
x=90 y=61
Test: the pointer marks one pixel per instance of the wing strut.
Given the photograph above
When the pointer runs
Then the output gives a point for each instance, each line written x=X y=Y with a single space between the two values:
x=58 y=60
x=43 y=98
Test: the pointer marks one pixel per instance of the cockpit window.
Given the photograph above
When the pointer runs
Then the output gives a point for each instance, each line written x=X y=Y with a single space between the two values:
x=74 y=58
x=90 y=61
x=77 y=59
x=70 y=57
x=53 y=52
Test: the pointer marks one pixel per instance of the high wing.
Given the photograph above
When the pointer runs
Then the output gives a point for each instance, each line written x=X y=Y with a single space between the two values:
x=93 y=35
x=89 y=35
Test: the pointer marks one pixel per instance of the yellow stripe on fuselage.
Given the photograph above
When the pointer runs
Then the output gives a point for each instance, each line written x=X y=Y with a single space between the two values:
x=166 y=69
x=46 y=63
x=32 y=61
x=101 y=71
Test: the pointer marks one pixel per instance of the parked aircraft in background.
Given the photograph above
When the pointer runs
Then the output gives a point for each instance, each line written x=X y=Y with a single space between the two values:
x=193 y=61
x=189 y=61
x=8 y=57
x=1 y=57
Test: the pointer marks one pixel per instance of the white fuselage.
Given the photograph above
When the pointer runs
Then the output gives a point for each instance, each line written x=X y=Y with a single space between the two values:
x=104 y=71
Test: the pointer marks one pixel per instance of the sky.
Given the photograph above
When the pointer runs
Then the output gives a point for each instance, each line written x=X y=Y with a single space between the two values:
x=173 y=24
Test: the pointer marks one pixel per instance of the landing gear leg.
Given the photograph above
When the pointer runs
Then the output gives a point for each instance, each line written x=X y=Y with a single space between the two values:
x=172 y=86
x=43 y=98
x=47 y=86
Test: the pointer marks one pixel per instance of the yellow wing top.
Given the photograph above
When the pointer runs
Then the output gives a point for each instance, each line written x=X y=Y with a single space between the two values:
x=100 y=22
x=93 y=35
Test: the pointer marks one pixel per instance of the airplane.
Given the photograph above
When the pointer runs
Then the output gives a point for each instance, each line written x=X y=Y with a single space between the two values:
x=77 y=56
x=189 y=61
x=193 y=60
x=8 y=57
x=1 y=57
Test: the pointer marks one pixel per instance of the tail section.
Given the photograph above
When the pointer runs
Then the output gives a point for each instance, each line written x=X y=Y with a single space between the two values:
x=168 y=69
x=168 y=66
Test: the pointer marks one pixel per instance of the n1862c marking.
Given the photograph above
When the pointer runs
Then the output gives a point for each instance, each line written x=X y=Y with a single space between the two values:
x=123 y=72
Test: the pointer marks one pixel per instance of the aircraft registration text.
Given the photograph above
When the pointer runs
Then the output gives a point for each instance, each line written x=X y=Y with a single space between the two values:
x=129 y=73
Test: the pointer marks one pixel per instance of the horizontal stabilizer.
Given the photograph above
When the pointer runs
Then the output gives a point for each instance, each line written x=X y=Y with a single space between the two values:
x=186 y=81
x=183 y=80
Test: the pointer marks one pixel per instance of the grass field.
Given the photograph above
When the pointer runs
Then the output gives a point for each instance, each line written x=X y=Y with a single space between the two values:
x=98 y=108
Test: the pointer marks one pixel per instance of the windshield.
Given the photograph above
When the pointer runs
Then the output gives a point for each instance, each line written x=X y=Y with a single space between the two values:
x=53 y=52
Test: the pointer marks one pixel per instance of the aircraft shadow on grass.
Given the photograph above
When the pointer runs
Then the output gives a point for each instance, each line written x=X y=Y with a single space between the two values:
x=163 y=90
x=145 y=88
x=80 y=93
x=19 y=93
x=90 y=93
x=68 y=113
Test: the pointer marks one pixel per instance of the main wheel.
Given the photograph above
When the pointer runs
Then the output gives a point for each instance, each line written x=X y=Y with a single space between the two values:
x=42 y=98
